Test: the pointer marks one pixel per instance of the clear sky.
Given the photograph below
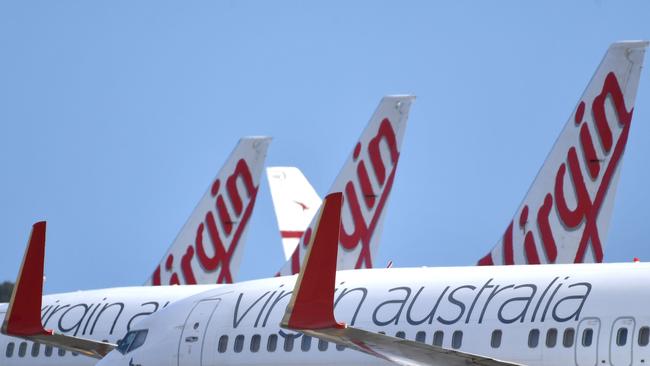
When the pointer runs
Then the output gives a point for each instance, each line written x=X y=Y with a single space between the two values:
x=116 y=115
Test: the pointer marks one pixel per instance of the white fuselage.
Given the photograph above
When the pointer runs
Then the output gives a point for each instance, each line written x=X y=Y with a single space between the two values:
x=102 y=315
x=585 y=314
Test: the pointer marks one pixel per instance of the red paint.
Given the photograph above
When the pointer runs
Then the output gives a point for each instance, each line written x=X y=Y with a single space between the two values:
x=585 y=213
x=302 y=205
x=224 y=218
x=243 y=174
x=523 y=217
x=572 y=218
x=545 y=229
x=24 y=315
x=305 y=241
x=610 y=89
x=155 y=278
x=508 y=253
x=186 y=267
x=362 y=229
x=215 y=188
x=591 y=159
x=362 y=233
x=529 y=248
x=580 y=112
x=223 y=243
x=312 y=303
x=291 y=234
x=486 y=261
x=366 y=186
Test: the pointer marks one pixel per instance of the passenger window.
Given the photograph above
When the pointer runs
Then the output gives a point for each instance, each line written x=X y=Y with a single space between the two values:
x=75 y=354
x=457 y=339
x=533 y=338
x=644 y=336
x=322 y=345
x=36 y=348
x=22 y=349
x=239 y=343
x=305 y=343
x=9 y=352
x=567 y=339
x=61 y=352
x=587 y=337
x=551 y=338
x=495 y=342
x=400 y=334
x=223 y=344
x=255 y=343
x=48 y=350
x=340 y=348
x=621 y=337
x=421 y=337
x=288 y=343
x=272 y=343
x=438 y=337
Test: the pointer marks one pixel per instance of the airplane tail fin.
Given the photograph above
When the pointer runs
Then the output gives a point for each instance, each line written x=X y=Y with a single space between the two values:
x=565 y=215
x=366 y=180
x=295 y=202
x=208 y=248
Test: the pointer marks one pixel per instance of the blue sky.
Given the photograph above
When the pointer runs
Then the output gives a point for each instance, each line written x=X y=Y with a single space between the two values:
x=115 y=116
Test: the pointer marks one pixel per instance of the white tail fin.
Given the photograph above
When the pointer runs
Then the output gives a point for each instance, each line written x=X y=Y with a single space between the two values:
x=366 y=180
x=566 y=213
x=295 y=202
x=209 y=246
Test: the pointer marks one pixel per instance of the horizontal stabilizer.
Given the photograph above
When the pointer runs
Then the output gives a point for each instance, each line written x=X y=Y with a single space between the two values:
x=23 y=317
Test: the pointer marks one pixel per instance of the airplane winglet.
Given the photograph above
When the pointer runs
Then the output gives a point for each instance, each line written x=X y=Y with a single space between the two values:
x=312 y=305
x=24 y=315
x=311 y=308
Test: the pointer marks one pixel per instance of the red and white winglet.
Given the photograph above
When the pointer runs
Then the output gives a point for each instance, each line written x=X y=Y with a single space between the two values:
x=23 y=318
x=311 y=309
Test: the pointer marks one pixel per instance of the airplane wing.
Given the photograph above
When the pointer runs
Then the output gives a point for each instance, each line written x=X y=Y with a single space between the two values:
x=295 y=202
x=311 y=308
x=23 y=319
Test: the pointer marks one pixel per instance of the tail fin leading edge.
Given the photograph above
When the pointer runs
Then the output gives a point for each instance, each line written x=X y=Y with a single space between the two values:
x=565 y=215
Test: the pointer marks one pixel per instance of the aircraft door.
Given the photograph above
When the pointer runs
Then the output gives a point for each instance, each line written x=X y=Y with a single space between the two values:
x=587 y=342
x=191 y=343
x=620 y=343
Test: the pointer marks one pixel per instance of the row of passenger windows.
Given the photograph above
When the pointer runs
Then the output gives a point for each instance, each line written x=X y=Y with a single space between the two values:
x=569 y=334
x=551 y=340
x=568 y=338
x=35 y=351
x=306 y=342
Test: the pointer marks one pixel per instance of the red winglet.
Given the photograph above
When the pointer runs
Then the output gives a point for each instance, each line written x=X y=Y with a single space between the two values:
x=24 y=315
x=312 y=302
